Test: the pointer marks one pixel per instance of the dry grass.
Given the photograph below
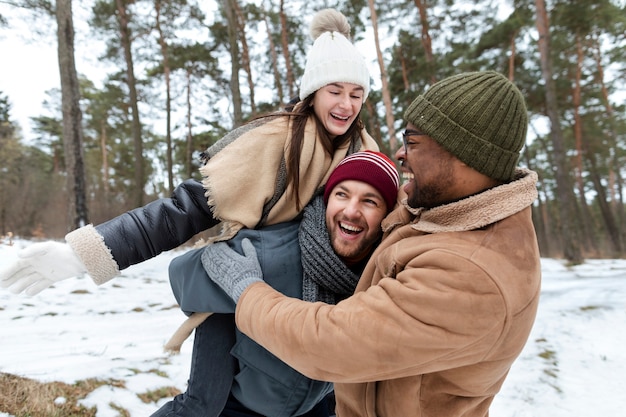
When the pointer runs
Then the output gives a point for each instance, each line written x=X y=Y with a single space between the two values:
x=24 y=397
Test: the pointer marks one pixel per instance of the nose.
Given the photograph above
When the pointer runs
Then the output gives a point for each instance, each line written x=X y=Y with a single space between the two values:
x=345 y=100
x=400 y=155
x=352 y=210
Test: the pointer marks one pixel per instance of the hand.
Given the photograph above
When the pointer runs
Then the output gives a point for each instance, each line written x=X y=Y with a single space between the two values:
x=39 y=266
x=231 y=271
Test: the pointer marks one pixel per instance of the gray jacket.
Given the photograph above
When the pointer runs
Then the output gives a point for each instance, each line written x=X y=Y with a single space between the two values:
x=263 y=383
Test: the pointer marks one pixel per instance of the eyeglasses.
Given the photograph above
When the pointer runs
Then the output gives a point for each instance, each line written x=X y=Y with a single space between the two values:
x=410 y=132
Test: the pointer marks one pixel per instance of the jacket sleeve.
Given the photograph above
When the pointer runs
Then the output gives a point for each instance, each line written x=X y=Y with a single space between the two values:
x=142 y=233
x=396 y=328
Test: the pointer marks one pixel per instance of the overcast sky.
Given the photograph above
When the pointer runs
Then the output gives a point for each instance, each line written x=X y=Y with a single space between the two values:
x=30 y=65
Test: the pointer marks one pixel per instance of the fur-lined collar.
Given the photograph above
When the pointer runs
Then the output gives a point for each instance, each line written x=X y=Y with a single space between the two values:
x=473 y=212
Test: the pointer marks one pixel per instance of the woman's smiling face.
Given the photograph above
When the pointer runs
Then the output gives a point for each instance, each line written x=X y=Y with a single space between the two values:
x=337 y=105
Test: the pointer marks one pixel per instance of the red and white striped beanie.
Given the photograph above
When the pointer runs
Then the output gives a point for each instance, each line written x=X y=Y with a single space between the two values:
x=373 y=168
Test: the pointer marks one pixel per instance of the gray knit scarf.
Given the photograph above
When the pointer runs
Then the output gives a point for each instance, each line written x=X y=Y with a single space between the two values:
x=325 y=277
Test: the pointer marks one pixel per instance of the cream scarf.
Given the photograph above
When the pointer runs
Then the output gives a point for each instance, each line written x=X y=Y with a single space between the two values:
x=245 y=169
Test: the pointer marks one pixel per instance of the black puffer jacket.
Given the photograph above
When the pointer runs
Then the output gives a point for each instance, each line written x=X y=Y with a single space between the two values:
x=161 y=225
x=142 y=233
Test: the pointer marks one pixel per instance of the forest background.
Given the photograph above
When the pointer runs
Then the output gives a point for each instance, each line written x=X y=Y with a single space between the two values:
x=185 y=72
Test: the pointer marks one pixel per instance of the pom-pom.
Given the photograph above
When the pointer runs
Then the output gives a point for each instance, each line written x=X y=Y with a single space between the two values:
x=329 y=20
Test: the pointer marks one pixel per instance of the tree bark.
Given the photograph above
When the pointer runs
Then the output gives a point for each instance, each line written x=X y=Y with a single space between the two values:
x=612 y=227
x=233 y=42
x=168 y=98
x=426 y=39
x=245 y=53
x=393 y=142
x=616 y=181
x=105 y=159
x=565 y=195
x=284 y=38
x=72 y=117
x=274 y=57
x=131 y=82
x=189 y=147
x=403 y=68
x=588 y=236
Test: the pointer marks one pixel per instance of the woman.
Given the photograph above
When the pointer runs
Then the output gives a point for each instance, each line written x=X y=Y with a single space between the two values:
x=298 y=149
x=261 y=173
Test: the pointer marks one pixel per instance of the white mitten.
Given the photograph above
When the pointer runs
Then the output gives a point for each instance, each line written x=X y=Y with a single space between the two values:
x=39 y=266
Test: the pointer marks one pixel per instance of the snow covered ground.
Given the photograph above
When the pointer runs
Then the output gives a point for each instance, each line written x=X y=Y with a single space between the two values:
x=574 y=363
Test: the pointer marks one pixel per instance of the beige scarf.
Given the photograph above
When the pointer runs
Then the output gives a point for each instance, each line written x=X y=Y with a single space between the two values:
x=242 y=176
x=241 y=181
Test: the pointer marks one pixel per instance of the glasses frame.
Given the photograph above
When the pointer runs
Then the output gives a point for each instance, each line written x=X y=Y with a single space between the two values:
x=408 y=133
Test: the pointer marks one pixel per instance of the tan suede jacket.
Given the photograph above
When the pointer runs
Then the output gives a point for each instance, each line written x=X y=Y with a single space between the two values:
x=442 y=310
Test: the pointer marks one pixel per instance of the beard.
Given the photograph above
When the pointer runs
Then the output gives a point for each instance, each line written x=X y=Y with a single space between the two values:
x=354 y=251
x=426 y=196
x=433 y=189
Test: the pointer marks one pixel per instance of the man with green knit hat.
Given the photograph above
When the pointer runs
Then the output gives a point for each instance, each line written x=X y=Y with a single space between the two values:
x=447 y=301
x=479 y=117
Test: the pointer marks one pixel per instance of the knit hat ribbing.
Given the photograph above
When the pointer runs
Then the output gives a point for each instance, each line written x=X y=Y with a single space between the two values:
x=373 y=168
x=333 y=58
x=479 y=117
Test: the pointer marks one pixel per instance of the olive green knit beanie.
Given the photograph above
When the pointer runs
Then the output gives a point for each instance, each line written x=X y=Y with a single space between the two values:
x=479 y=117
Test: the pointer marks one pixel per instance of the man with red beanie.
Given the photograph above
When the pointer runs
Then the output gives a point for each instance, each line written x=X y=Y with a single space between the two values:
x=317 y=258
x=371 y=167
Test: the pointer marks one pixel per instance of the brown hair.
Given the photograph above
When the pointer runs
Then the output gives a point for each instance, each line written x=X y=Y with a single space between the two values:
x=299 y=113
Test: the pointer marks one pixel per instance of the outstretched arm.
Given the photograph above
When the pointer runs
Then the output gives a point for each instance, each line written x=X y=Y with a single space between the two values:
x=104 y=250
x=39 y=266
x=142 y=233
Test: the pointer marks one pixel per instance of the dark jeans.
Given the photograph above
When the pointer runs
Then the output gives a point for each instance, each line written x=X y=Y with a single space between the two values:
x=212 y=370
x=211 y=377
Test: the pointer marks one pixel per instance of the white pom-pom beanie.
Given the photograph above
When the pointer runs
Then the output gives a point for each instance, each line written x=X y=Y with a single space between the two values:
x=333 y=58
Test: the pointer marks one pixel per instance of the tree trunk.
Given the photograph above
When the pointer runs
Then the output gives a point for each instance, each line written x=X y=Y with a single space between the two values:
x=72 y=117
x=612 y=227
x=571 y=246
x=168 y=99
x=126 y=40
x=189 y=147
x=426 y=39
x=284 y=38
x=245 y=53
x=616 y=181
x=405 y=73
x=588 y=236
x=393 y=142
x=233 y=42
x=105 y=159
x=274 y=57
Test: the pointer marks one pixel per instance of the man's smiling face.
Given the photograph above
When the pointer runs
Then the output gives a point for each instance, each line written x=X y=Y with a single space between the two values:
x=354 y=212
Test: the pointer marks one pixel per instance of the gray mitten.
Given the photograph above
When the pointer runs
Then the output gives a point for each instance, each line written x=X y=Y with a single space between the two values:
x=231 y=271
